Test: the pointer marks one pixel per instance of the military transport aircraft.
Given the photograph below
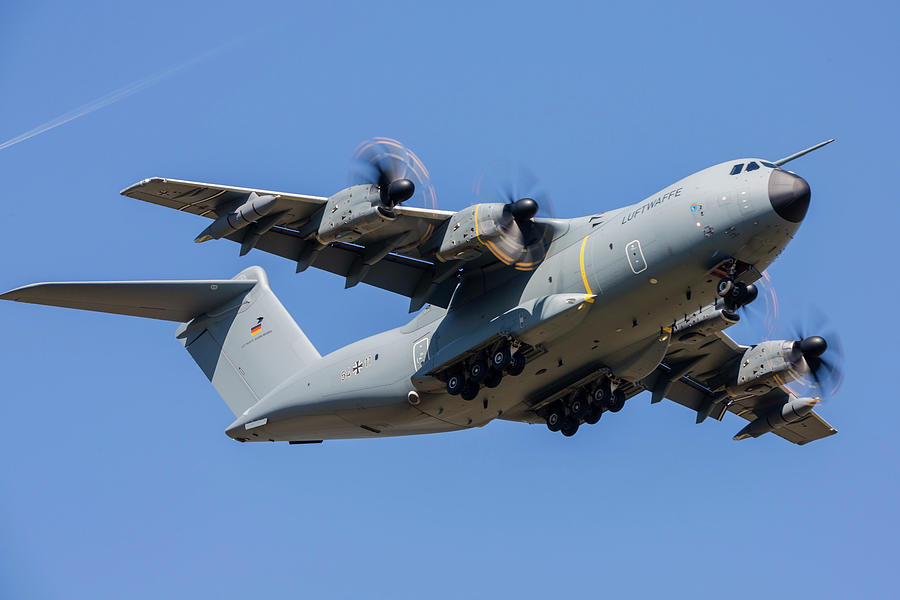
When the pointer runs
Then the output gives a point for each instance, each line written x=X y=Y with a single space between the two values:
x=525 y=318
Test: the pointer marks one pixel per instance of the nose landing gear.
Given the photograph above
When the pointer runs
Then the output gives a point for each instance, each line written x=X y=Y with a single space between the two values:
x=735 y=293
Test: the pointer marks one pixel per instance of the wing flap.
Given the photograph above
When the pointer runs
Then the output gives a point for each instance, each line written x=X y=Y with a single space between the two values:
x=393 y=273
x=178 y=301
x=809 y=429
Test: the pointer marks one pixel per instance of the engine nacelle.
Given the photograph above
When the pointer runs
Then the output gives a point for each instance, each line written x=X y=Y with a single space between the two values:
x=789 y=412
x=351 y=213
x=469 y=231
x=698 y=326
x=255 y=207
x=766 y=366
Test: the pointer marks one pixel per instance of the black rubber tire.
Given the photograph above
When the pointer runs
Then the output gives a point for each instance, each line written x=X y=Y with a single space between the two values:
x=578 y=406
x=569 y=427
x=493 y=378
x=724 y=287
x=469 y=391
x=455 y=384
x=501 y=357
x=477 y=370
x=600 y=395
x=555 y=418
x=616 y=401
x=736 y=297
x=593 y=415
x=516 y=365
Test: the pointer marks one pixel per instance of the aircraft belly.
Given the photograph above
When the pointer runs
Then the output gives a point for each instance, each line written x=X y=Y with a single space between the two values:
x=349 y=425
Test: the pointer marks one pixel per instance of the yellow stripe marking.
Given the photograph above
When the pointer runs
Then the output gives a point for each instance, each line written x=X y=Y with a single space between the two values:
x=498 y=254
x=477 y=236
x=589 y=295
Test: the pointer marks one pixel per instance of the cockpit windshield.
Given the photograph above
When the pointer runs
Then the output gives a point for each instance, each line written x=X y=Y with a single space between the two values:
x=751 y=166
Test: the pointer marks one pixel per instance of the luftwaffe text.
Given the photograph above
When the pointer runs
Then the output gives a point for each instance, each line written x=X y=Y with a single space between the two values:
x=648 y=205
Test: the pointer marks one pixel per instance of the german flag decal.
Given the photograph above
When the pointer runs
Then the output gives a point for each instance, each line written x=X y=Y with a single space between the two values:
x=258 y=327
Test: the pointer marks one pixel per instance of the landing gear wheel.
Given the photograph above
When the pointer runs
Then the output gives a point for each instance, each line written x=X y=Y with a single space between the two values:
x=469 y=390
x=578 y=406
x=555 y=418
x=616 y=402
x=455 y=384
x=600 y=396
x=569 y=427
x=516 y=365
x=724 y=287
x=493 y=378
x=477 y=371
x=593 y=415
x=501 y=357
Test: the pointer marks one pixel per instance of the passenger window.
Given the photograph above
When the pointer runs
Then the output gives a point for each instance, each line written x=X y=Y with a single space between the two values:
x=752 y=166
x=737 y=168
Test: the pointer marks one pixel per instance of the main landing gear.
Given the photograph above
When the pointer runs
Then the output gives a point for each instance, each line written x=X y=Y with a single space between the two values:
x=485 y=369
x=584 y=406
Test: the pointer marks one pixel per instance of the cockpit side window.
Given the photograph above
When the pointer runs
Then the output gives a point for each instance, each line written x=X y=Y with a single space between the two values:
x=752 y=166
x=768 y=164
x=737 y=168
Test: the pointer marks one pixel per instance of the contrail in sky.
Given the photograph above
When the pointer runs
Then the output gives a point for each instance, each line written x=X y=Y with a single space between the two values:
x=110 y=98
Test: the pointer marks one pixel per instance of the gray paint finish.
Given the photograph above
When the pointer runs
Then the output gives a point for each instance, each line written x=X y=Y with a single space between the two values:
x=624 y=301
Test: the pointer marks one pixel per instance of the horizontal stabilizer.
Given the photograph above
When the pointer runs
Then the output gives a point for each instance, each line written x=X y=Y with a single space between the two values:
x=167 y=300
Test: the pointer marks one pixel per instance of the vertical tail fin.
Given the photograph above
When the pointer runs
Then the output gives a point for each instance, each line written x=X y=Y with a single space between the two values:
x=238 y=332
x=248 y=346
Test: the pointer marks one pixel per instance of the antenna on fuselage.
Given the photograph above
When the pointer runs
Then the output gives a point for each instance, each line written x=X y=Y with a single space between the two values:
x=787 y=159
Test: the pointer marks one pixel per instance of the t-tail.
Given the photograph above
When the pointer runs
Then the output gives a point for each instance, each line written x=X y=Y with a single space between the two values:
x=237 y=331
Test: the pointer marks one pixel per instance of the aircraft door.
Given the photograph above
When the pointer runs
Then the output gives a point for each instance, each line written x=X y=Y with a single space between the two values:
x=634 y=254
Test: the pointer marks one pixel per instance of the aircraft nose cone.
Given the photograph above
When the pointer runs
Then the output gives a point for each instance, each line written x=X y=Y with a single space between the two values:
x=789 y=195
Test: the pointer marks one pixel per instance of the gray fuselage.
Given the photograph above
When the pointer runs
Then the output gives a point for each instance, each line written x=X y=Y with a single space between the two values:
x=641 y=268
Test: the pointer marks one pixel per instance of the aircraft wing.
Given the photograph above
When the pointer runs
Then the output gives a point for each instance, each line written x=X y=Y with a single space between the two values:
x=209 y=199
x=693 y=374
x=404 y=271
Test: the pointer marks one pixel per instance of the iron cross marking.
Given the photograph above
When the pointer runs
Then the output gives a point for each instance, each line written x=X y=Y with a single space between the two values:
x=357 y=367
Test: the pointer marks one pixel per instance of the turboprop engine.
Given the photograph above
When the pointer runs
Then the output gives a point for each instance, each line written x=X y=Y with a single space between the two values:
x=470 y=231
x=506 y=230
x=360 y=209
x=776 y=362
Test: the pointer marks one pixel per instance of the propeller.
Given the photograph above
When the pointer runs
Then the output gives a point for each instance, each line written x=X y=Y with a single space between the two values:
x=823 y=356
x=394 y=168
x=819 y=373
x=759 y=304
x=523 y=242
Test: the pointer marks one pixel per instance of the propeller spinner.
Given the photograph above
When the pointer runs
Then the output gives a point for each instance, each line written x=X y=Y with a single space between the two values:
x=825 y=371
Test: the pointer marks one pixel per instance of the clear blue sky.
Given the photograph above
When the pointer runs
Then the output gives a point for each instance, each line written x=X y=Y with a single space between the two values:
x=118 y=480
